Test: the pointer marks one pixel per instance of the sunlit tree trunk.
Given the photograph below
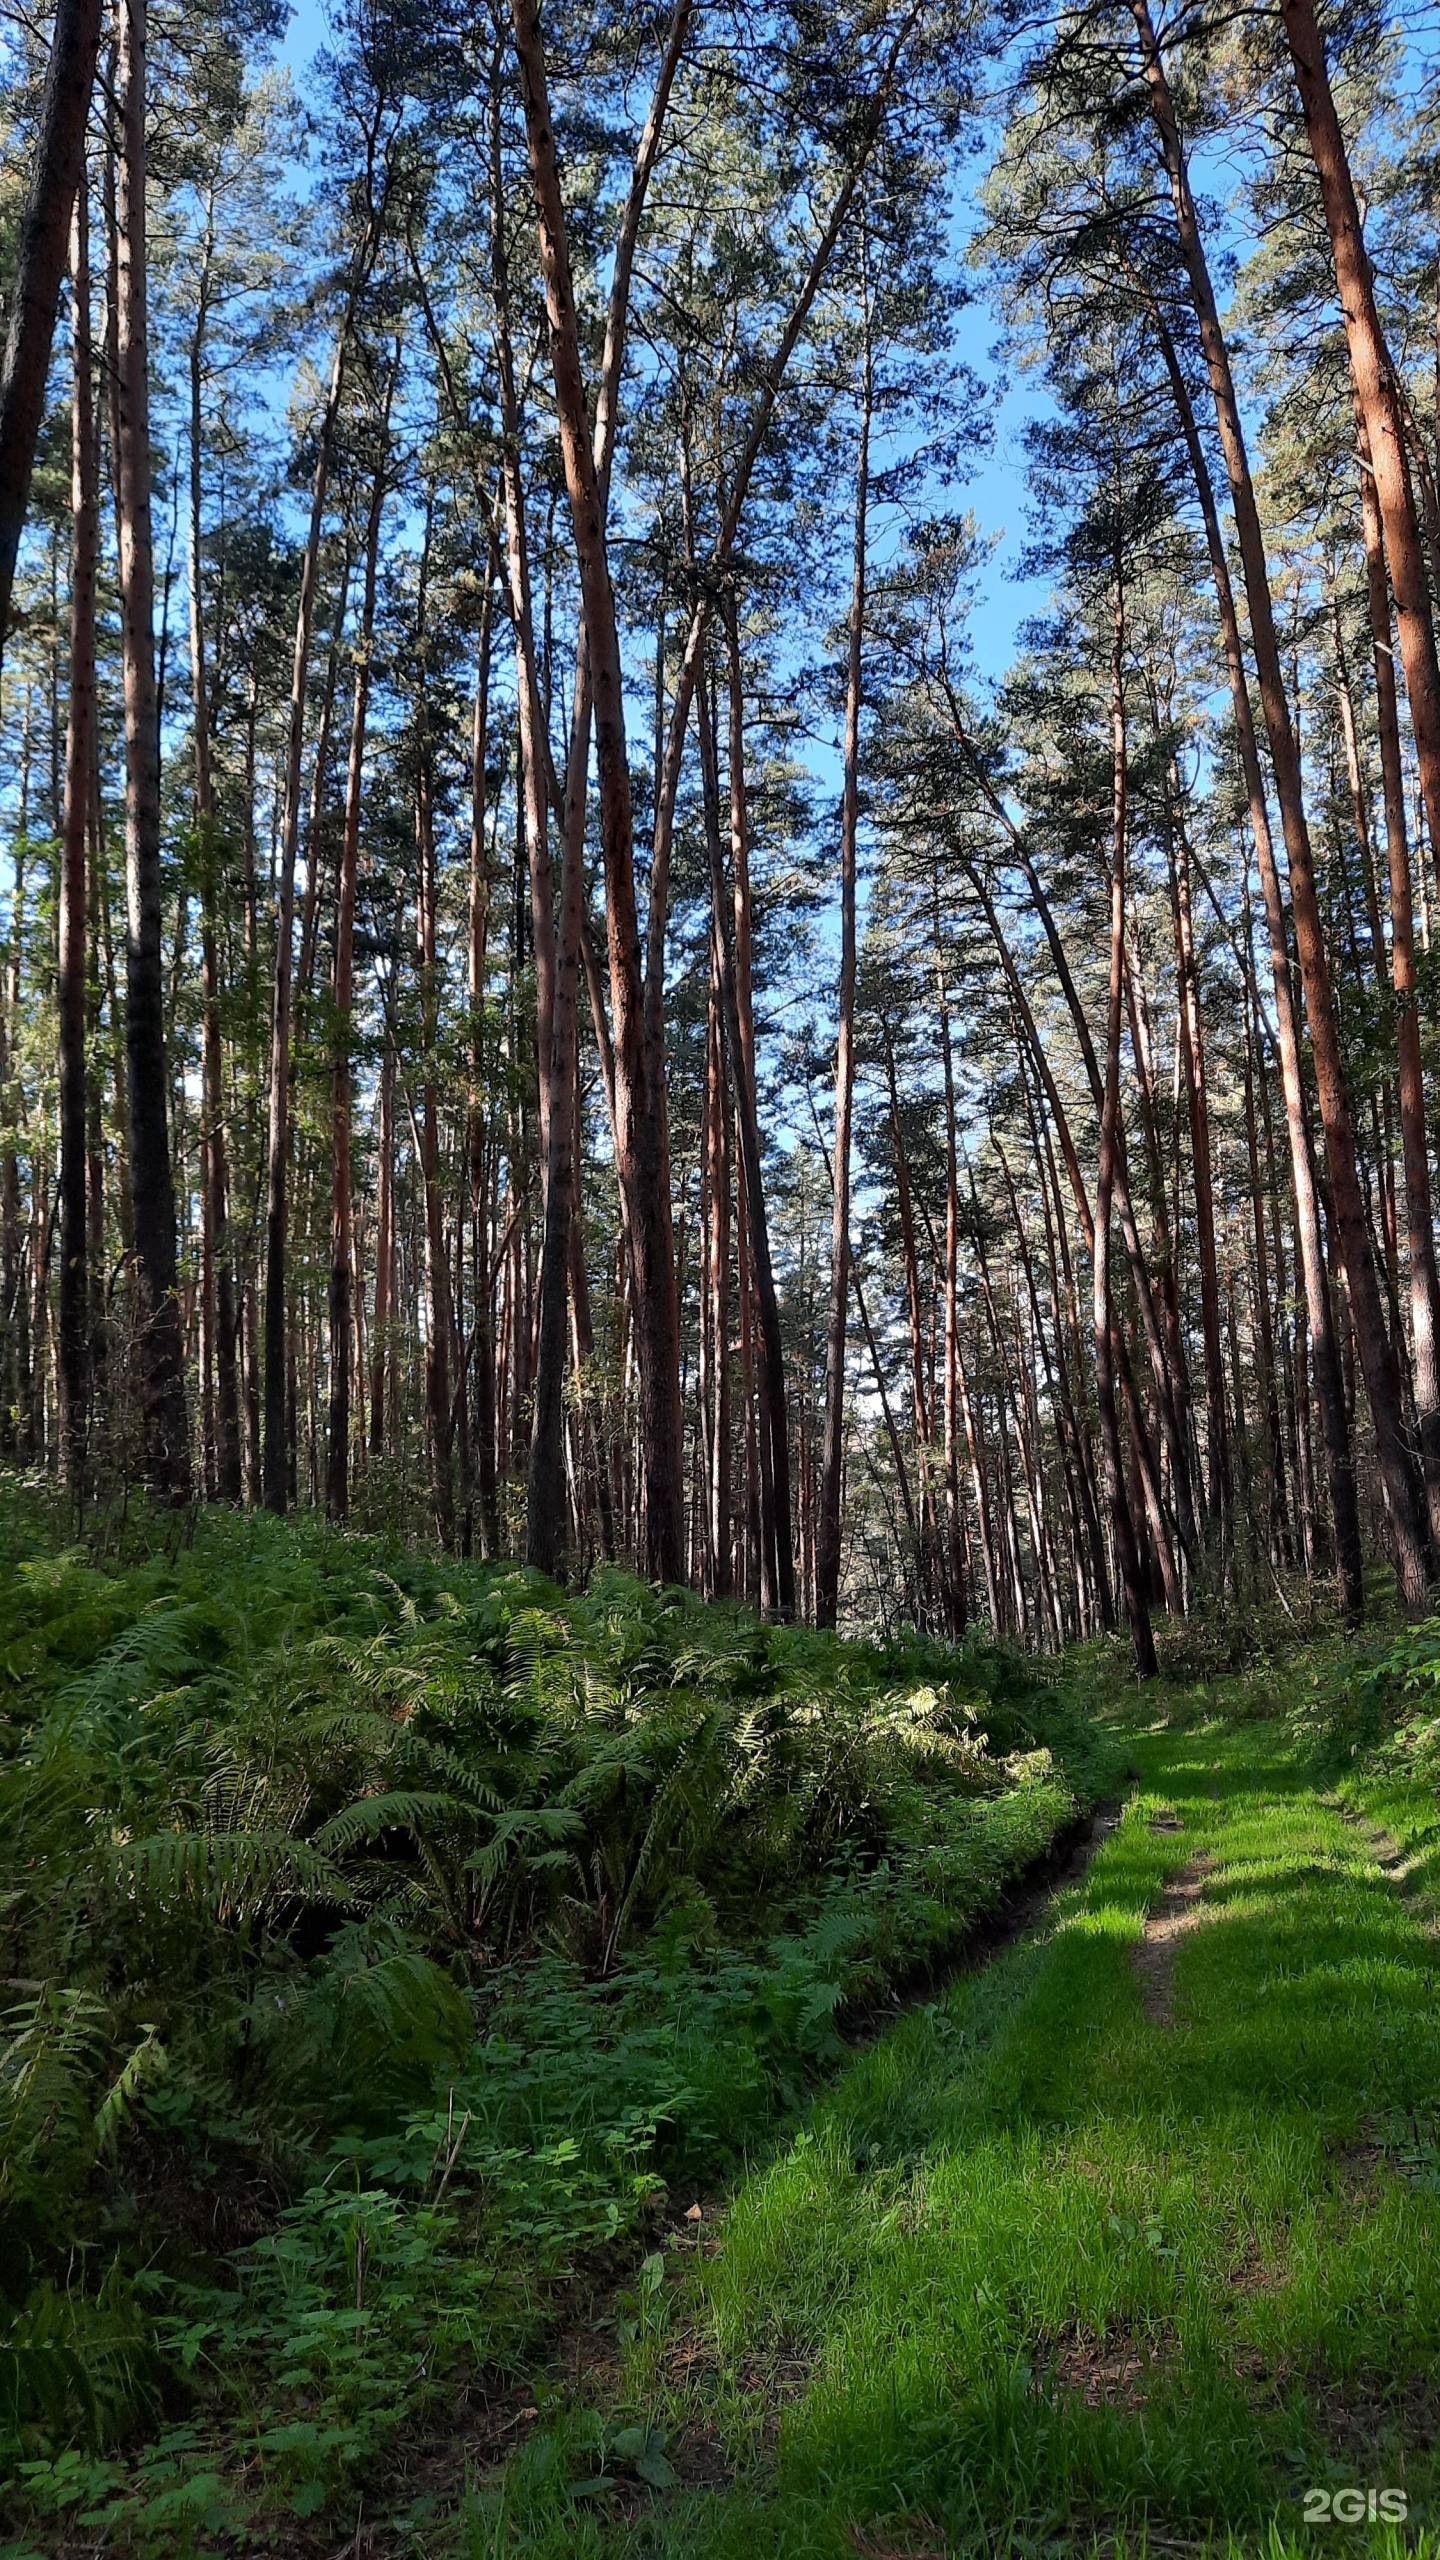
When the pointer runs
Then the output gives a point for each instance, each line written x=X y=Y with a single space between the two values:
x=1378 y=398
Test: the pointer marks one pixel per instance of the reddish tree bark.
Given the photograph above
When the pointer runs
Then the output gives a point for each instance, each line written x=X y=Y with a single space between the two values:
x=40 y=264
x=1408 y=1525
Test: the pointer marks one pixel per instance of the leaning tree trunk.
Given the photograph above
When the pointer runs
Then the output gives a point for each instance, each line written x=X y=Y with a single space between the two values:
x=161 y=1347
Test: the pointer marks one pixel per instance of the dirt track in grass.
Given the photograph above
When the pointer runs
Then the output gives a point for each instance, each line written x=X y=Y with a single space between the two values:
x=1119 y=2242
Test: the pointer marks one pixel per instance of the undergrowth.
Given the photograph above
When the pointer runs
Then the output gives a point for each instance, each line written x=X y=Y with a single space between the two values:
x=382 y=1934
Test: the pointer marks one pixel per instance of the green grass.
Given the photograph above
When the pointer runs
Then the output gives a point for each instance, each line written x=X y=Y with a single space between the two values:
x=1045 y=2273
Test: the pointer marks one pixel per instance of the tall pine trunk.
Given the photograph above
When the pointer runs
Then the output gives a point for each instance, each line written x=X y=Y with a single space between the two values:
x=341 y=1311
x=1408 y=1525
x=1126 y=1550
x=1192 y=1056
x=1378 y=397
x=832 y=1463
x=161 y=1347
x=80 y=749
x=1415 y=1153
x=275 y=1461
x=1319 y=1306
x=642 y=1151
x=219 y=1328
x=56 y=176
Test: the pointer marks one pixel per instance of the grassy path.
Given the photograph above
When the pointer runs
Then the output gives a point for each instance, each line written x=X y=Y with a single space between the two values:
x=1124 y=2244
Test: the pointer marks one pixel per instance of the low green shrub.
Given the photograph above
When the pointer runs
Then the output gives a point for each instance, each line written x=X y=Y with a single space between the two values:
x=386 y=1932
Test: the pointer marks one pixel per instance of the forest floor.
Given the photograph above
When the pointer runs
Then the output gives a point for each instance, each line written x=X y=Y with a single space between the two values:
x=1124 y=2242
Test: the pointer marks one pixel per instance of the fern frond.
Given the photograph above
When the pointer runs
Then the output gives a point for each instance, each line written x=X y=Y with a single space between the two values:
x=231 y=1875
x=401 y=1810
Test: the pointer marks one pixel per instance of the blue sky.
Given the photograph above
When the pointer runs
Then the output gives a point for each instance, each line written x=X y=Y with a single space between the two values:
x=995 y=490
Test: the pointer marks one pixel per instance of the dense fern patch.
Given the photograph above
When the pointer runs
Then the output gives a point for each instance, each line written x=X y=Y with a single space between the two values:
x=382 y=1934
